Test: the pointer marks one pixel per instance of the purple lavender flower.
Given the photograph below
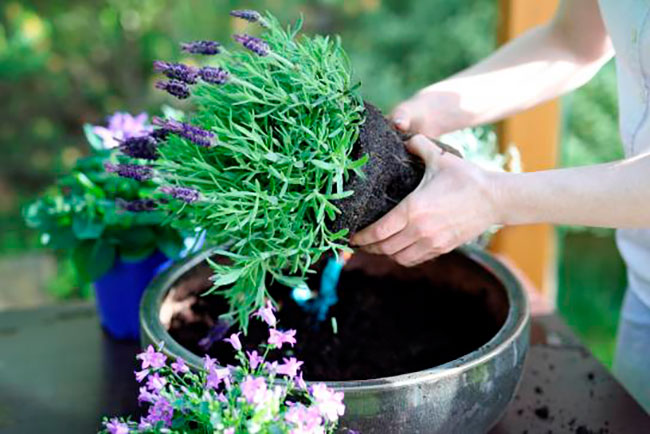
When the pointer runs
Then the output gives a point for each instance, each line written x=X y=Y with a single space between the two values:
x=137 y=205
x=159 y=134
x=177 y=71
x=234 y=341
x=277 y=338
x=256 y=45
x=246 y=14
x=194 y=134
x=152 y=358
x=114 y=426
x=175 y=88
x=187 y=195
x=122 y=126
x=214 y=75
x=145 y=147
x=290 y=367
x=134 y=171
x=201 y=47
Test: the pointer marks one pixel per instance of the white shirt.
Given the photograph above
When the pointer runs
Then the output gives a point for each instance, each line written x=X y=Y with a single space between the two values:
x=628 y=24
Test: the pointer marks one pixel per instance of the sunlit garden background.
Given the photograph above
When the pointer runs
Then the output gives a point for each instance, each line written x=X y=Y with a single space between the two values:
x=66 y=63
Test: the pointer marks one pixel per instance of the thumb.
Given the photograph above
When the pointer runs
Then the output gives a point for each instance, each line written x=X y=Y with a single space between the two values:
x=401 y=118
x=424 y=148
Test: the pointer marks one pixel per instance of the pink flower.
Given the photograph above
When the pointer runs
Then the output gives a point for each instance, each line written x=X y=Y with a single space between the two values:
x=146 y=396
x=179 y=367
x=329 y=403
x=278 y=338
x=156 y=382
x=271 y=367
x=290 y=367
x=216 y=376
x=141 y=375
x=209 y=363
x=254 y=389
x=234 y=341
x=305 y=420
x=122 y=126
x=266 y=314
x=114 y=426
x=254 y=358
x=152 y=358
x=229 y=431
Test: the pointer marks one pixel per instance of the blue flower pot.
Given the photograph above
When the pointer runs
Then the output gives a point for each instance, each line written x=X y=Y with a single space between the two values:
x=119 y=291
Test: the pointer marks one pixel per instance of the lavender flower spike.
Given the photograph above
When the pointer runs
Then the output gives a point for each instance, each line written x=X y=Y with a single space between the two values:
x=187 y=195
x=134 y=171
x=175 y=88
x=250 y=16
x=202 y=47
x=138 y=205
x=145 y=147
x=194 y=134
x=214 y=75
x=176 y=71
x=256 y=45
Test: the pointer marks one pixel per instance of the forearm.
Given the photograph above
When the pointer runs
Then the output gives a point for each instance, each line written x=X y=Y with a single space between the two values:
x=607 y=195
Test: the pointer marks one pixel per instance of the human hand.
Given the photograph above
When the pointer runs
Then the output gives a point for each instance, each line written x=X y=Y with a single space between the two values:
x=428 y=112
x=454 y=203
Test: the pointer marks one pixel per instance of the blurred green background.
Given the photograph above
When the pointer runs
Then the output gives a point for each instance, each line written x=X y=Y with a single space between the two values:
x=64 y=63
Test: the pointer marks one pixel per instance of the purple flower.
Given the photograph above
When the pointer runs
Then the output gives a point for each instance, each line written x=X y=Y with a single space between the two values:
x=144 y=424
x=254 y=389
x=145 y=147
x=177 y=71
x=187 y=195
x=152 y=358
x=202 y=47
x=234 y=341
x=214 y=75
x=133 y=171
x=194 y=134
x=255 y=359
x=155 y=382
x=114 y=426
x=246 y=14
x=179 y=367
x=256 y=45
x=209 y=363
x=175 y=88
x=146 y=396
x=136 y=205
x=216 y=376
x=278 y=338
x=122 y=126
x=266 y=314
x=161 y=411
x=304 y=419
x=290 y=367
x=300 y=382
x=141 y=375
x=329 y=403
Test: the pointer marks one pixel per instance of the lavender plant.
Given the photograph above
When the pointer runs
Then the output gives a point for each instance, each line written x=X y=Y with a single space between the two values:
x=98 y=217
x=257 y=396
x=264 y=157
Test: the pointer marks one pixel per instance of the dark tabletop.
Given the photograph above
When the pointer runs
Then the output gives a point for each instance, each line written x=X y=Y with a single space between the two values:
x=59 y=373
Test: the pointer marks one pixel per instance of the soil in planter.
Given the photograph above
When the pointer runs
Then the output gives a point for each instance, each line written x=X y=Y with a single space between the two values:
x=386 y=326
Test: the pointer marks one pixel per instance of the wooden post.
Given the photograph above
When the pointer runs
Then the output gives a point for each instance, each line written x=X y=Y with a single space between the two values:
x=536 y=133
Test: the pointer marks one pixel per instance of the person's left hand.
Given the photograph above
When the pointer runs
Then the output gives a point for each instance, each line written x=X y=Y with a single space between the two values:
x=454 y=203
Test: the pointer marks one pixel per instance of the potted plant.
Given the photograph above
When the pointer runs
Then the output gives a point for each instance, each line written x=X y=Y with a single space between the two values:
x=279 y=161
x=92 y=215
x=257 y=395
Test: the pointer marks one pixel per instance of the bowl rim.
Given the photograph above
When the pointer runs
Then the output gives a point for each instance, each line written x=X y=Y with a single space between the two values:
x=514 y=326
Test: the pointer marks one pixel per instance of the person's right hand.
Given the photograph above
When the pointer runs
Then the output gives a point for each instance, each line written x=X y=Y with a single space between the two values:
x=428 y=112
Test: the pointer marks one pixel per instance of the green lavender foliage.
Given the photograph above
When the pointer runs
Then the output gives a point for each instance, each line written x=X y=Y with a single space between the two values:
x=285 y=125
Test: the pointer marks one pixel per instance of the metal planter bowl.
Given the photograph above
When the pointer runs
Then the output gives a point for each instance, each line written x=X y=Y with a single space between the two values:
x=467 y=395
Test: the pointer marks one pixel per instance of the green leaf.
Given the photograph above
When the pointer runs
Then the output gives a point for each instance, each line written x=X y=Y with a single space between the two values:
x=61 y=238
x=170 y=243
x=93 y=259
x=323 y=165
x=137 y=252
x=86 y=227
x=93 y=139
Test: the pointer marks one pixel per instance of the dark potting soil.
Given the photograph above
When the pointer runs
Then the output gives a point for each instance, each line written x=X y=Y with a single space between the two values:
x=386 y=326
x=391 y=173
